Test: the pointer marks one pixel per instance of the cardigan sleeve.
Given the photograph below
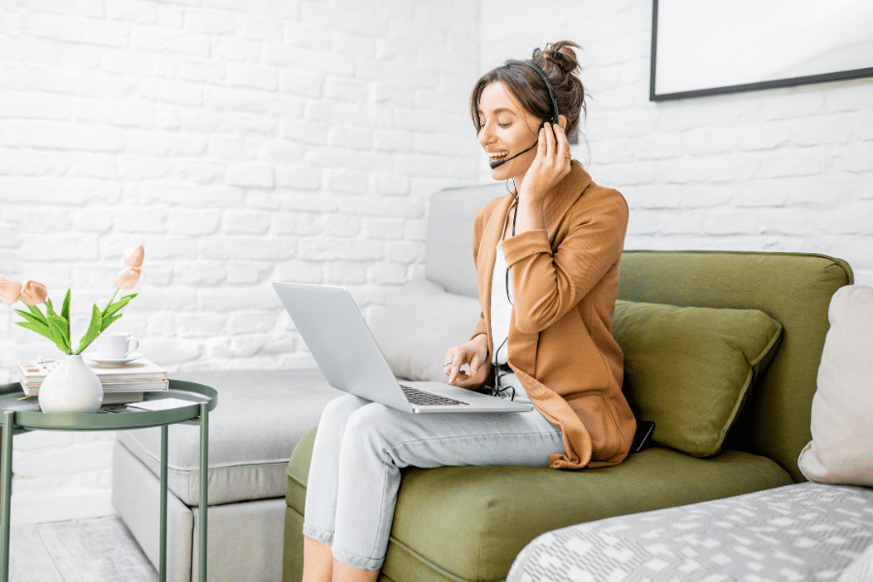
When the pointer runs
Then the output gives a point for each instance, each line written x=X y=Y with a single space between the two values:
x=546 y=284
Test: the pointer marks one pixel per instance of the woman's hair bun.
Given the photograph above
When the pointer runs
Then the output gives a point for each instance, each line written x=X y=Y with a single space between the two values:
x=562 y=55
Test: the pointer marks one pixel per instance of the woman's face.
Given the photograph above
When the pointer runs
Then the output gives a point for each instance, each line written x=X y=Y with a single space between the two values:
x=507 y=129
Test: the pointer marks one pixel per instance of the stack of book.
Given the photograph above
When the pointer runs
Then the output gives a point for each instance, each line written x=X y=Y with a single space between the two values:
x=121 y=384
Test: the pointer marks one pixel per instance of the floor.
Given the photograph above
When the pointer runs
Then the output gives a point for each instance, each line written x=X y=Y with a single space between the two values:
x=90 y=550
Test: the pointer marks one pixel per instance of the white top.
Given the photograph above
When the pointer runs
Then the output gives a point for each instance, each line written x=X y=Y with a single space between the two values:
x=501 y=307
x=501 y=316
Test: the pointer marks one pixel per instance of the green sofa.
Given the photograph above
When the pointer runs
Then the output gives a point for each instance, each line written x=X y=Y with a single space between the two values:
x=469 y=523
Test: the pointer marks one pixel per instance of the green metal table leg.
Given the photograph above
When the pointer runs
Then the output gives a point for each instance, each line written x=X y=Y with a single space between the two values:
x=6 y=505
x=204 y=483
x=162 y=560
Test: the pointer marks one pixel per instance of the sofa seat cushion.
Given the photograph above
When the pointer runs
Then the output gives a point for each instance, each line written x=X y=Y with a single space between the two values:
x=469 y=523
x=260 y=417
x=806 y=531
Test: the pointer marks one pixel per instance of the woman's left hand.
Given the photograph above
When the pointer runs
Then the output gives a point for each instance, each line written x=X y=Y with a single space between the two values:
x=473 y=353
x=550 y=165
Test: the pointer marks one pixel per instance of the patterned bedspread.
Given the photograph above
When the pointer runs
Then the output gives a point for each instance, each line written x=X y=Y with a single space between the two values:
x=800 y=532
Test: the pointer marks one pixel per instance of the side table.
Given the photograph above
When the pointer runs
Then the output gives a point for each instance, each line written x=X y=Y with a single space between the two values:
x=20 y=416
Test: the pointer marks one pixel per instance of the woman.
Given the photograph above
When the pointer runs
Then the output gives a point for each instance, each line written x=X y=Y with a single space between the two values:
x=547 y=255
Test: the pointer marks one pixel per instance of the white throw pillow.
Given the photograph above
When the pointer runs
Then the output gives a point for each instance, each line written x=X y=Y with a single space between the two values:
x=419 y=324
x=841 y=450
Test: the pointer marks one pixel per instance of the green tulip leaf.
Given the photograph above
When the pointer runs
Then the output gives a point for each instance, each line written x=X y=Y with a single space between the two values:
x=107 y=321
x=58 y=328
x=65 y=310
x=112 y=308
x=94 y=329
x=109 y=303
x=32 y=318
x=38 y=328
x=65 y=315
x=37 y=313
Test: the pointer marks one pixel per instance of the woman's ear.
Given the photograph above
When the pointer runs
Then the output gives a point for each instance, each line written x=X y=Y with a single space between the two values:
x=562 y=121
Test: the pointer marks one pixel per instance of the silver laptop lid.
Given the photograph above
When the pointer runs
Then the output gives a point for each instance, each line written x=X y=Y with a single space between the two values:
x=340 y=341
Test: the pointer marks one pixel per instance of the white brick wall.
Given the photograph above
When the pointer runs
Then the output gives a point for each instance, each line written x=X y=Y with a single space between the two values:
x=246 y=141
x=241 y=141
x=778 y=170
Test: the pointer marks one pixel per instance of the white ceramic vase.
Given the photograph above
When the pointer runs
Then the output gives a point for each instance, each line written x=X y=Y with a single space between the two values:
x=71 y=387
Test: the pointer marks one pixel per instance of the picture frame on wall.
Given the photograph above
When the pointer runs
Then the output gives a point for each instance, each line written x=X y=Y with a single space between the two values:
x=714 y=47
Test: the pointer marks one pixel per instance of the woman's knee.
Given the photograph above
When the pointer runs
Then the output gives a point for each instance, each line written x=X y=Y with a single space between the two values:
x=369 y=423
x=340 y=409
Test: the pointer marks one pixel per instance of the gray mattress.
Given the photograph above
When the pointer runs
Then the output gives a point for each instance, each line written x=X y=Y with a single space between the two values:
x=800 y=532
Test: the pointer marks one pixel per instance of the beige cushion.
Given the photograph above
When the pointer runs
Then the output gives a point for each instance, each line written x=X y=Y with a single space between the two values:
x=841 y=450
x=419 y=324
x=689 y=369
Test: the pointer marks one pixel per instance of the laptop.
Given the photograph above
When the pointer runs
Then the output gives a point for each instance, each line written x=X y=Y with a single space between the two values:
x=349 y=357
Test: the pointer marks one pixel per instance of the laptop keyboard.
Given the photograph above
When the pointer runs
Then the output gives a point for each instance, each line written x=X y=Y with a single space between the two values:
x=422 y=398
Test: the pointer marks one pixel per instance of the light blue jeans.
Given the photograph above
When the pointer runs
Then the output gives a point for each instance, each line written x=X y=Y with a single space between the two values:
x=361 y=446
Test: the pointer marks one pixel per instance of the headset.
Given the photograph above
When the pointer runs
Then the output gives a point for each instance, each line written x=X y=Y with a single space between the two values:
x=554 y=120
x=498 y=389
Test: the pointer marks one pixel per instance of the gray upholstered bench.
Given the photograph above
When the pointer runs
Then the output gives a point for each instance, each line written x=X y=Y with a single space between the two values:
x=259 y=419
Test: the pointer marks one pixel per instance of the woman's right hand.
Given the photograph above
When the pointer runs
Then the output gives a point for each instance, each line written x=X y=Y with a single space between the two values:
x=475 y=354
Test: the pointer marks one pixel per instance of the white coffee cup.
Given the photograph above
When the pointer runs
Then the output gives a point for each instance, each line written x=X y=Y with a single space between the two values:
x=116 y=344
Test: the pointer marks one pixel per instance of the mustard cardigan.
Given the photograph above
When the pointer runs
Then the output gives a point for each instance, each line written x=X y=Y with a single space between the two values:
x=564 y=285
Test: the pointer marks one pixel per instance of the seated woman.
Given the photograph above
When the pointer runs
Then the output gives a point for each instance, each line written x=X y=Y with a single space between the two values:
x=547 y=255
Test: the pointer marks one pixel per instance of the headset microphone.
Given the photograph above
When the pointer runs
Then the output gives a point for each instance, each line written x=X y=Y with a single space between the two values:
x=498 y=163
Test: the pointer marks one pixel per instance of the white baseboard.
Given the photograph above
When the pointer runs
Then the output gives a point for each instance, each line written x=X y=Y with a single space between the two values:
x=34 y=509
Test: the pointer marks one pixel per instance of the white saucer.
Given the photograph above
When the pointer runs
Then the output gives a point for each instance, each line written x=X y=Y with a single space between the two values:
x=112 y=362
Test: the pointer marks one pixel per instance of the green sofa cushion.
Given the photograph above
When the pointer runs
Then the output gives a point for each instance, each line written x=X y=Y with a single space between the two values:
x=689 y=369
x=469 y=523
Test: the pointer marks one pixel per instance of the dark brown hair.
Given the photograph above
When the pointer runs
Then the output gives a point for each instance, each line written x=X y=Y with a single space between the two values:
x=558 y=61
